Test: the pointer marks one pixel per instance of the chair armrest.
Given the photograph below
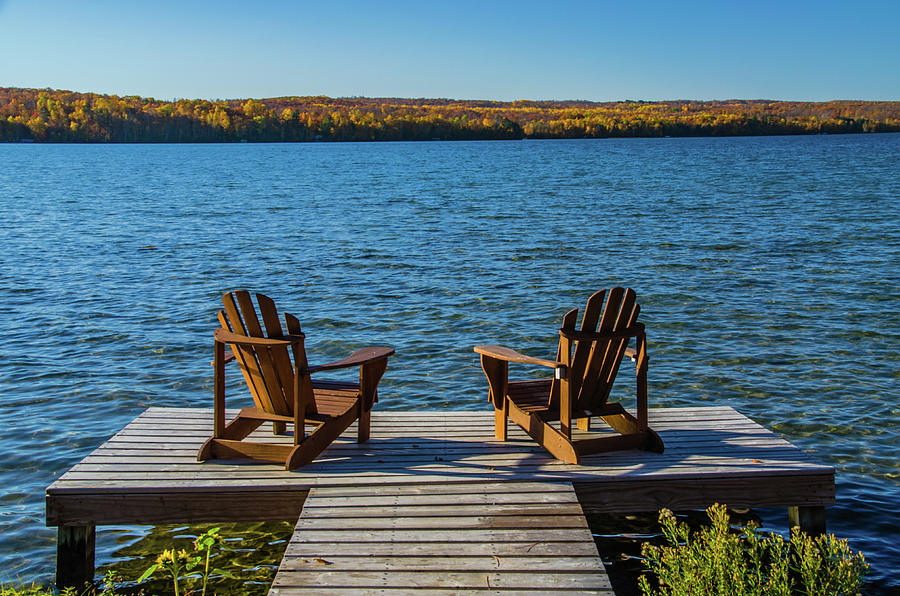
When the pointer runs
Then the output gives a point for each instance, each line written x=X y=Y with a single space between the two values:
x=510 y=355
x=226 y=337
x=357 y=358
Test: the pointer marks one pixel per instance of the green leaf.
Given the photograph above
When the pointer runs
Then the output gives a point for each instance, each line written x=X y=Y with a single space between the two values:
x=150 y=571
x=222 y=573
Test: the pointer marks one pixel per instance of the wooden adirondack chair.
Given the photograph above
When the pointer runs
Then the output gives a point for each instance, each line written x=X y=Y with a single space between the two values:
x=284 y=392
x=586 y=364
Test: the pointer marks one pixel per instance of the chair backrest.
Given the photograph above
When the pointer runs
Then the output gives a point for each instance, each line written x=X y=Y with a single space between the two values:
x=594 y=364
x=268 y=370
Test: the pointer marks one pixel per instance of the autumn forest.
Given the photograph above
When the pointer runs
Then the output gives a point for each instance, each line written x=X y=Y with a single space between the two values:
x=47 y=115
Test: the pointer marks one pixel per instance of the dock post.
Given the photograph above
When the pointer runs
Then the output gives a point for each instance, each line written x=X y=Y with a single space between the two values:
x=75 y=556
x=810 y=520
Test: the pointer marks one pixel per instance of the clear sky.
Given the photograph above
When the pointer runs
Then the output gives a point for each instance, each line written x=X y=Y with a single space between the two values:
x=592 y=50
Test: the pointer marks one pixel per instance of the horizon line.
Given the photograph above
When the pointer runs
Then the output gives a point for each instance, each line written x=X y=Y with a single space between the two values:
x=457 y=99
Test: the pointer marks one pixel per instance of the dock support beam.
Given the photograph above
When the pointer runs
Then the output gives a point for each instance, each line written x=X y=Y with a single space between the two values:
x=75 y=556
x=810 y=520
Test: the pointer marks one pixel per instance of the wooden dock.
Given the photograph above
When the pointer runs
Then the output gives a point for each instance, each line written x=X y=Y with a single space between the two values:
x=432 y=501
x=446 y=537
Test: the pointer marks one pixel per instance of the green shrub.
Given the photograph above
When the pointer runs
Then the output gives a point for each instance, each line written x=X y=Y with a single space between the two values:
x=716 y=561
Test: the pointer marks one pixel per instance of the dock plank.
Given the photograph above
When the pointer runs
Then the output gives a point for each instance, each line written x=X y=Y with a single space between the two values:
x=370 y=548
x=712 y=447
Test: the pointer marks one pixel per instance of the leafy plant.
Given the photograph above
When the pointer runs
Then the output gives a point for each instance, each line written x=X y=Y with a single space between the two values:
x=174 y=563
x=716 y=560
x=23 y=590
x=826 y=565
x=205 y=543
x=107 y=588
x=182 y=563
x=177 y=564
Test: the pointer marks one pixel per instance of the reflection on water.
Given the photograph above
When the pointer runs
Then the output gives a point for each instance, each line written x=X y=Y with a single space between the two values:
x=766 y=269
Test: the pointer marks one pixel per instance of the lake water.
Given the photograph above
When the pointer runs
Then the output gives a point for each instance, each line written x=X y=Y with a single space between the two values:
x=768 y=270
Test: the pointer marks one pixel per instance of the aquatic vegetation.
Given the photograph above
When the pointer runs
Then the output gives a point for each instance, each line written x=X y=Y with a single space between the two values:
x=716 y=560
x=221 y=560
x=107 y=588
x=243 y=559
x=180 y=564
x=25 y=590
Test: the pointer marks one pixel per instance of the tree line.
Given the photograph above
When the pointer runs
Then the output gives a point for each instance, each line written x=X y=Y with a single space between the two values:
x=49 y=115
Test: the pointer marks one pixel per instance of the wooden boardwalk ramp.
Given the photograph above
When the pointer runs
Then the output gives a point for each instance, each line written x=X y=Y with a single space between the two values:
x=438 y=539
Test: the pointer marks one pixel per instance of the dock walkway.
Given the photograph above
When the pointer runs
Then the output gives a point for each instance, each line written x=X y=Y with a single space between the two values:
x=422 y=462
x=527 y=537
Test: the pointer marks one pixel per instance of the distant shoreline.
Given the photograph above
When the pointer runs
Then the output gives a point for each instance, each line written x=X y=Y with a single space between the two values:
x=54 y=116
x=331 y=141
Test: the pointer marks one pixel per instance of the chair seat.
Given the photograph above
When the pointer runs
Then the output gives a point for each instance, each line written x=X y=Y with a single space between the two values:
x=333 y=400
x=532 y=398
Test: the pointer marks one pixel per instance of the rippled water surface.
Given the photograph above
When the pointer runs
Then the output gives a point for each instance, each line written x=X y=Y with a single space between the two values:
x=767 y=270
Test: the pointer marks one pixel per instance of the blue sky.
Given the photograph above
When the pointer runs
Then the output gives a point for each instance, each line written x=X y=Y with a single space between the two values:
x=500 y=50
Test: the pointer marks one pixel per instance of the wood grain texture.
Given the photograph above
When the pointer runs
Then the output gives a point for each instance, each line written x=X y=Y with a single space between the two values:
x=147 y=473
x=507 y=540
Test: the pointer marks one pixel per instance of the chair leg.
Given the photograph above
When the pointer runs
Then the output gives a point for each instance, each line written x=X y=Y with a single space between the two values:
x=584 y=424
x=497 y=373
x=279 y=428
x=500 y=416
x=364 y=424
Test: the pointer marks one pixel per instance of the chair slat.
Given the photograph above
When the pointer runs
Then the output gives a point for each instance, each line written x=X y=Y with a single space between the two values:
x=239 y=356
x=280 y=358
x=592 y=312
x=608 y=355
x=247 y=358
x=609 y=374
x=264 y=357
x=307 y=395
x=603 y=352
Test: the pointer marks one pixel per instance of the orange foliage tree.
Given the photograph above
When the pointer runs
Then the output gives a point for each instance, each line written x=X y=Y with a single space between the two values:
x=64 y=116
